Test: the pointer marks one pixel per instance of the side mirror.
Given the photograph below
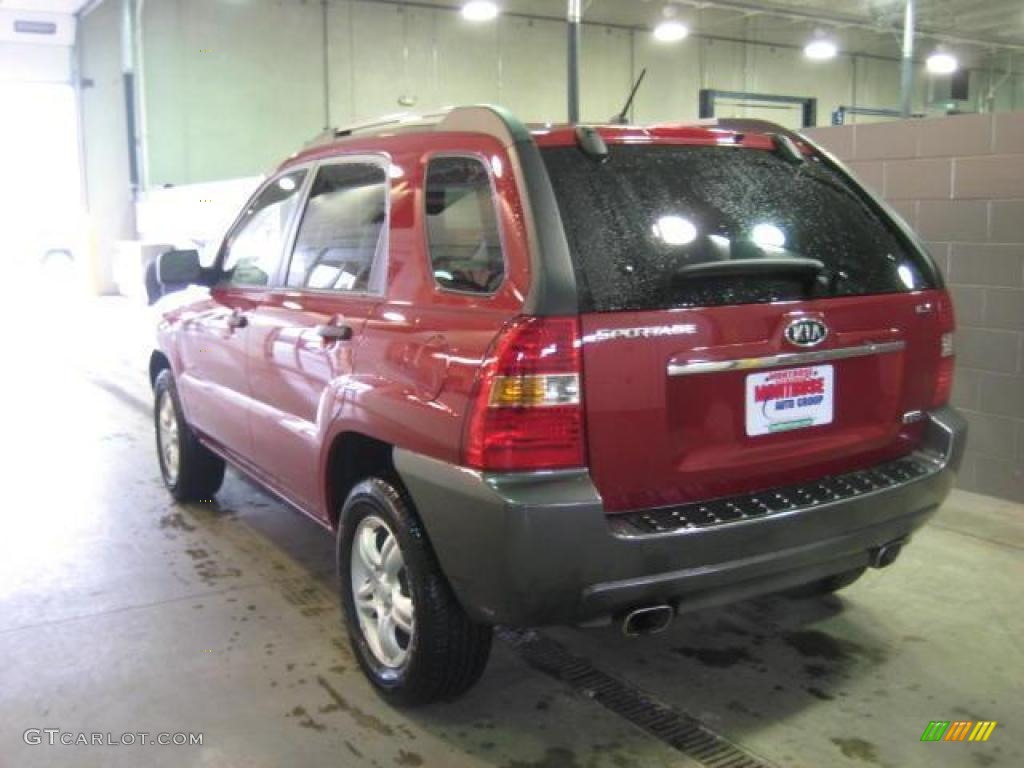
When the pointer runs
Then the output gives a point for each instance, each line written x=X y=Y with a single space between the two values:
x=179 y=268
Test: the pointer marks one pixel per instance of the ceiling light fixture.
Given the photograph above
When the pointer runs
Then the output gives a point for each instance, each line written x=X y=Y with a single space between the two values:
x=670 y=29
x=480 y=10
x=821 y=48
x=941 y=62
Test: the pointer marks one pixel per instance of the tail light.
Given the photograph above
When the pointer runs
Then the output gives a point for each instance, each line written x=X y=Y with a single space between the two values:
x=947 y=357
x=527 y=410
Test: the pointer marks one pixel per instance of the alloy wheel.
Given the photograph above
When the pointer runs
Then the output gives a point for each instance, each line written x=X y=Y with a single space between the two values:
x=381 y=593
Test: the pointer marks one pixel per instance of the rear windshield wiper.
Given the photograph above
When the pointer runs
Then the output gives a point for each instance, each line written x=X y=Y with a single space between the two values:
x=794 y=266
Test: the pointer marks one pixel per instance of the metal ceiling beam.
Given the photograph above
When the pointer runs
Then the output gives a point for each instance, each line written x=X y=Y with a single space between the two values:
x=847 y=19
x=745 y=7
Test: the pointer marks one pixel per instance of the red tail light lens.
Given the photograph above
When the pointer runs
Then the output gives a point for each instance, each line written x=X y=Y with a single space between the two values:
x=947 y=355
x=527 y=411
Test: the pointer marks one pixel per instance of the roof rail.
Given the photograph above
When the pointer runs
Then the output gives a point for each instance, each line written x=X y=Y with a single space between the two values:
x=483 y=118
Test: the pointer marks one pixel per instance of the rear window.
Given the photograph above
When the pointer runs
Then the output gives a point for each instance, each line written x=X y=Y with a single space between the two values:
x=637 y=220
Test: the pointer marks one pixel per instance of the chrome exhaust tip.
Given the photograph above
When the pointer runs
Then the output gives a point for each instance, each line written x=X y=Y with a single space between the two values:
x=885 y=555
x=647 y=621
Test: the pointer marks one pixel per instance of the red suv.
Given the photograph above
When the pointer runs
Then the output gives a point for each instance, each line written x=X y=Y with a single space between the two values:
x=563 y=374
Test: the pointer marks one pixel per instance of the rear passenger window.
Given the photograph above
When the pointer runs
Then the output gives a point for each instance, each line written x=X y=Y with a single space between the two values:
x=462 y=226
x=343 y=229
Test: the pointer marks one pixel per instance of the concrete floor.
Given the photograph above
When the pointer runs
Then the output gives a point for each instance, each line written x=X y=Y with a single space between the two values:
x=123 y=612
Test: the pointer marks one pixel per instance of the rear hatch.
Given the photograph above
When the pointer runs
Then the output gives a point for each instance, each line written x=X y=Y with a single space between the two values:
x=749 y=319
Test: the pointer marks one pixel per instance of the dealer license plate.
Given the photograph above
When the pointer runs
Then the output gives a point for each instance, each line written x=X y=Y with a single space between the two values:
x=792 y=398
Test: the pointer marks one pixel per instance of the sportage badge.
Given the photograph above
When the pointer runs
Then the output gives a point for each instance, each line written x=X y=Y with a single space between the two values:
x=806 y=332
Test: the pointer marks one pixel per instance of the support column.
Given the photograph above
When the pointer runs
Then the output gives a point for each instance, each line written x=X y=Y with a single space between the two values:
x=907 y=71
x=575 y=17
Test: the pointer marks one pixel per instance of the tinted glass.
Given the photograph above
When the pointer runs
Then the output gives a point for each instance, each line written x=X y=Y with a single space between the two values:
x=636 y=221
x=343 y=229
x=462 y=226
x=254 y=248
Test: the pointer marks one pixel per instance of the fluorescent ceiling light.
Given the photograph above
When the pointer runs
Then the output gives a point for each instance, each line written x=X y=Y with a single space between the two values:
x=821 y=49
x=671 y=31
x=480 y=10
x=942 y=63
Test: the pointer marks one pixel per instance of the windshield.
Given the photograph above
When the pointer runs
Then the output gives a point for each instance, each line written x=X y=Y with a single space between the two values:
x=636 y=221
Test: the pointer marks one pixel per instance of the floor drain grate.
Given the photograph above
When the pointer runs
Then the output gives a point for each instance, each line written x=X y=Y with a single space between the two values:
x=676 y=729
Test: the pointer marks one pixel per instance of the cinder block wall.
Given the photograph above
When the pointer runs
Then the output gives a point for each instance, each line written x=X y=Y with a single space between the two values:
x=959 y=181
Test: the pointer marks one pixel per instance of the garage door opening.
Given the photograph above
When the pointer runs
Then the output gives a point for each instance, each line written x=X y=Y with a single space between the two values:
x=43 y=240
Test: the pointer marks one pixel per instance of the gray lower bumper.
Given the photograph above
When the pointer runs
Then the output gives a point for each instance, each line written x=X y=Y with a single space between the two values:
x=537 y=548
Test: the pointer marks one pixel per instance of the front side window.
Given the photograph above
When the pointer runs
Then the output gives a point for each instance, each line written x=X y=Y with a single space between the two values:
x=343 y=229
x=462 y=226
x=644 y=227
x=253 y=250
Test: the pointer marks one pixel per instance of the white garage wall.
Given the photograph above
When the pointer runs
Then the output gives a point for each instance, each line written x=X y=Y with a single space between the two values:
x=230 y=88
x=35 y=58
x=22 y=63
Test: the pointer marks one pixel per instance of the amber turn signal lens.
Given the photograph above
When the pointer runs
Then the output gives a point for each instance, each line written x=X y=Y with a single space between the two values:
x=535 y=391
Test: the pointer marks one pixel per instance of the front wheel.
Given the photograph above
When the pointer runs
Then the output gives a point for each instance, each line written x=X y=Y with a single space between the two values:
x=191 y=471
x=413 y=640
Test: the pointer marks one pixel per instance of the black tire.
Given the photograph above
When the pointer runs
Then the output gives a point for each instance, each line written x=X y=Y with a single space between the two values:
x=447 y=651
x=200 y=471
x=153 y=288
x=827 y=585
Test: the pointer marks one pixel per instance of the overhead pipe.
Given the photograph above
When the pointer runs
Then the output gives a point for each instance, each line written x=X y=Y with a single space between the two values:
x=575 y=19
x=128 y=87
x=131 y=50
x=141 y=109
x=907 y=63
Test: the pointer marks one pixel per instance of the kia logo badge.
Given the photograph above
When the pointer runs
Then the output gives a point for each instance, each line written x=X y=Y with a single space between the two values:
x=806 y=332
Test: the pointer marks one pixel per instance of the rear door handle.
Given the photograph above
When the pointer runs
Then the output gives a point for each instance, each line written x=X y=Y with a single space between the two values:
x=237 y=320
x=335 y=332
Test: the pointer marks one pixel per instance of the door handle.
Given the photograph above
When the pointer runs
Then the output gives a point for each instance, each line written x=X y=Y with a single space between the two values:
x=335 y=332
x=237 y=320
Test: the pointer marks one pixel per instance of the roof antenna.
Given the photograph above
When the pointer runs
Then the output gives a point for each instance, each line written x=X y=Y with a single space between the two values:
x=621 y=119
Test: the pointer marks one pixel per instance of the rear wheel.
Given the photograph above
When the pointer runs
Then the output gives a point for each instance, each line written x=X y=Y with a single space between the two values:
x=827 y=585
x=191 y=471
x=413 y=640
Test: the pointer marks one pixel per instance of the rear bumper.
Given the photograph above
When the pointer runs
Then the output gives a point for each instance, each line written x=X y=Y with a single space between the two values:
x=537 y=548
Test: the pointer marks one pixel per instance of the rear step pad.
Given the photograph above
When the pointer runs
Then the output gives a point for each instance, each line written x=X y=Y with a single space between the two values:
x=708 y=514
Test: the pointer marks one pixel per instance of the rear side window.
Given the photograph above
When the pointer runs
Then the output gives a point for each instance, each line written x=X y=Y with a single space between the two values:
x=343 y=229
x=635 y=222
x=462 y=226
